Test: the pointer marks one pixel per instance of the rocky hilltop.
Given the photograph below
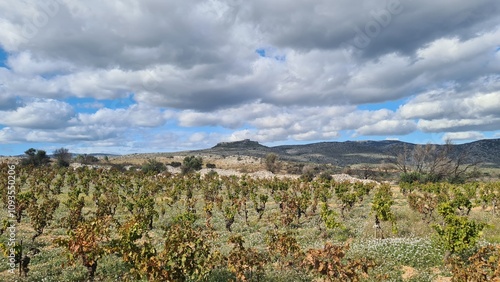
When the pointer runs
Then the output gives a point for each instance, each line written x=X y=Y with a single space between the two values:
x=246 y=144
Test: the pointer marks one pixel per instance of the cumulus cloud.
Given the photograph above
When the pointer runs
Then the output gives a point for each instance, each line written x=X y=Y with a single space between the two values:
x=25 y=64
x=66 y=135
x=54 y=121
x=268 y=123
x=266 y=70
x=388 y=127
x=440 y=125
x=439 y=104
x=468 y=135
x=134 y=116
x=452 y=110
x=39 y=114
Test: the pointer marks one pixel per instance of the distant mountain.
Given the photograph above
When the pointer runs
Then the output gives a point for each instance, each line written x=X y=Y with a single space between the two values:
x=339 y=153
x=351 y=152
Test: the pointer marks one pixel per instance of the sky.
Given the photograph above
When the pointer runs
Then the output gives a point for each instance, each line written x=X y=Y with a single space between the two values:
x=139 y=76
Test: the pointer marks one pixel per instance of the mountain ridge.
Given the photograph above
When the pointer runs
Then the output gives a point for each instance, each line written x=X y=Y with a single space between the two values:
x=339 y=153
x=344 y=153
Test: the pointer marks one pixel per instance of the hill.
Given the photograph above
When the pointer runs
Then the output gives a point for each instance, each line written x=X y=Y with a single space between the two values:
x=246 y=144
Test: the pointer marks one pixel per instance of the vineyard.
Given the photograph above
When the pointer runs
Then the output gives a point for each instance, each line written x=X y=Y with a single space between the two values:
x=108 y=225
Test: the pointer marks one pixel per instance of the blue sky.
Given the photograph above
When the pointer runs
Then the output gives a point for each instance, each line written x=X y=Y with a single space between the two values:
x=3 y=58
x=96 y=78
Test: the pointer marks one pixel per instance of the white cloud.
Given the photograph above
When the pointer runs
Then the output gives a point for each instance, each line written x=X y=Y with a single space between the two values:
x=454 y=110
x=24 y=64
x=449 y=103
x=270 y=123
x=69 y=134
x=315 y=135
x=230 y=117
x=54 y=121
x=39 y=114
x=91 y=105
x=134 y=116
x=197 y=137
x=468 y=135
x=440 y=125
x=388 y=127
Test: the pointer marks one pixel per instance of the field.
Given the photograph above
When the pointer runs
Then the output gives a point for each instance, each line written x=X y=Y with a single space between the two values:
x=111 y=225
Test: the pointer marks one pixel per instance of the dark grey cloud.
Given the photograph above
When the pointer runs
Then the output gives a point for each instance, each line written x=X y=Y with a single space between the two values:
x=209 y=99
x=382 y=27
x=422 y=22
x=132 y=35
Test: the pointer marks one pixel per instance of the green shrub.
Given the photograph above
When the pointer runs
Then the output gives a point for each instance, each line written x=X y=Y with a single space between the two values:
x=410 y=177
x=191 y=163
x=326 y=175
x=458 y=234
x=153 y=166
x=307 y=176
x=86 y=159
x=175 y=164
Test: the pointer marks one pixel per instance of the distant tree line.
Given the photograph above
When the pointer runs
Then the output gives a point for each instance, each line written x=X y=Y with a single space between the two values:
x=86 y=159
x=62 y=158
x=35 y=157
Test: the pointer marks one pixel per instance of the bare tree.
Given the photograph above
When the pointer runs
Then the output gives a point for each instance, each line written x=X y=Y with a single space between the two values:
x=63 y=157
x=462 y=163
x=367 y=171
x=402 y=158
x=385 y=167
x=272 y=162
x=435 y=163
